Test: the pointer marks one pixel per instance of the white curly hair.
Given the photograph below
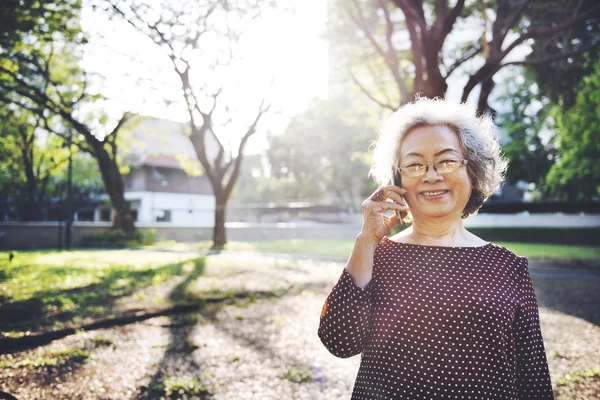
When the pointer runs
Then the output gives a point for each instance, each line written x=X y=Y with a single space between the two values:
x=477 y=135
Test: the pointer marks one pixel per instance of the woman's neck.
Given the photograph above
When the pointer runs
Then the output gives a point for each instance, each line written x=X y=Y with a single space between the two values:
x=439 y=233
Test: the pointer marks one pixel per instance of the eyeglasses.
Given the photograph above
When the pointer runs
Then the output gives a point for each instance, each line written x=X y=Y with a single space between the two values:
x=442 y=167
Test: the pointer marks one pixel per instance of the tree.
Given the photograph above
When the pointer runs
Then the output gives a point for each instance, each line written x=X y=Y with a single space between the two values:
x=528 y=130
x=39 y=72
x=576 y=175
x=410 y=41
x=568 y=55
x=201 y=40
x=24 y=18
x=34 y=168
x=30 y=168
x=324 y=151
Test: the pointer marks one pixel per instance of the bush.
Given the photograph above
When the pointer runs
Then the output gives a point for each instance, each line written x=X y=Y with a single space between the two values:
x=120 y=239
x=572 y=236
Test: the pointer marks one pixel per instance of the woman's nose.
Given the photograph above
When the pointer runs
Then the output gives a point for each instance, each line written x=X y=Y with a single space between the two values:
x=431 y=175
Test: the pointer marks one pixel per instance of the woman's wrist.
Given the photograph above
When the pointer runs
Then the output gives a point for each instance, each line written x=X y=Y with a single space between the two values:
x=365 y=239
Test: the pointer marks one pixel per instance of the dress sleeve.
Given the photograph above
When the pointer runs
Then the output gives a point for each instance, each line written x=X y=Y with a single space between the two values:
x=532 y=375
x=346 y=317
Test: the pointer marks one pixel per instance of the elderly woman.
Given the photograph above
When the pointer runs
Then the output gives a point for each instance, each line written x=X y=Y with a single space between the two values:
x=435 y=311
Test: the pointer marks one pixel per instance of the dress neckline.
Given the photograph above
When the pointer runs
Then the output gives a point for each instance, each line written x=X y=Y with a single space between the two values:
x=436 y=247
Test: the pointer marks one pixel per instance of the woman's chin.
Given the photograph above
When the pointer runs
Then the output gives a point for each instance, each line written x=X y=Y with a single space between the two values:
x=430 y=212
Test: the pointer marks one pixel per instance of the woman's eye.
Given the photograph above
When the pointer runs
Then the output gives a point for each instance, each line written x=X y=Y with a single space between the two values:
x=414 y=166
x=447 y=162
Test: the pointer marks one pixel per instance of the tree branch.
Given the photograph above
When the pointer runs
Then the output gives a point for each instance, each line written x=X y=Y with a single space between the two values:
x=391 y=53
x=547 y=59
x=369 y=95
x=462 y=60
x=409 y=12
x=389 y=57
x=262 y=109
x=538 y=33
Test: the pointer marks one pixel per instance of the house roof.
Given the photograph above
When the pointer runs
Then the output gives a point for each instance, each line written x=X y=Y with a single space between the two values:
x=164 y=143
x=162 y=160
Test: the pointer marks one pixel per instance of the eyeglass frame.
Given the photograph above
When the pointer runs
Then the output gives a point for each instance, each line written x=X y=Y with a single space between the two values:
x=462 y=161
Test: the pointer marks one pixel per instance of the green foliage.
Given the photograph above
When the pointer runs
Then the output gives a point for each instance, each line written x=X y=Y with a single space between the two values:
x=523 y=124
x=118 y=239
x=321 y=154
x=560 y=77
x=41 y=73
x=298 y=374
x=34 y=174
x=566 y=242
x=22 y=18
x=576 y=175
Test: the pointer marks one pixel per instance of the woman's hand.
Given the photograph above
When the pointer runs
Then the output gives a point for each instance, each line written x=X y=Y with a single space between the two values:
x=375 y=224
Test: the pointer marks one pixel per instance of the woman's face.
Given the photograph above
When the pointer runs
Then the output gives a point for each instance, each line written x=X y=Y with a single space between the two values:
x=428 y=144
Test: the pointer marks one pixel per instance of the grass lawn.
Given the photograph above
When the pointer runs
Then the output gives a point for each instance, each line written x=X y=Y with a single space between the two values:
x=341 y=248
x=48 y=289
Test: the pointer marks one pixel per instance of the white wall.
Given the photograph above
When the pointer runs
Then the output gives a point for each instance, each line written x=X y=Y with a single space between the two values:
x=197 y=210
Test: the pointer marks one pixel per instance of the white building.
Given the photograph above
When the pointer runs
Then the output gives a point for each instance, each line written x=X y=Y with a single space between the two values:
x=165 y=183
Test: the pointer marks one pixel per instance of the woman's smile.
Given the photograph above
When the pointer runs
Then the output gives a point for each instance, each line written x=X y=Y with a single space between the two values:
x=434 y=195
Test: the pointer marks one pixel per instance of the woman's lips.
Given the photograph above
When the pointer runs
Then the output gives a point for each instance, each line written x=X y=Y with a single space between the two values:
x=430 y=196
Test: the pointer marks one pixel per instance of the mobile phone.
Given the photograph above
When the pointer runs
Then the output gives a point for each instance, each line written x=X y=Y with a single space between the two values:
x=396 y=182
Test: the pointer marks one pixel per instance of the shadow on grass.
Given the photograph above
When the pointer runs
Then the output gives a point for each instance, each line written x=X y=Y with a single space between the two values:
x=179 y=353
x=53 y=308
x=576 y=297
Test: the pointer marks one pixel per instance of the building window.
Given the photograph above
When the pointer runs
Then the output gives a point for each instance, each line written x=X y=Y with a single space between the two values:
x=165 y=217
x=105 y=214
x=85 y=215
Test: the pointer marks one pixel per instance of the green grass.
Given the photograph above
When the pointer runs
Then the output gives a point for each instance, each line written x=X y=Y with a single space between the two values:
x=36 y=272
x=174 y=386
x=553 y=251
x=593 y=373
x=341 y=248
x=51 y=358
x=297 y=374
x=49 y=288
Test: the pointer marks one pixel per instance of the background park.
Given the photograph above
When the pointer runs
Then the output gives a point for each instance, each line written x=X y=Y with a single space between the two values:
x=181 y=181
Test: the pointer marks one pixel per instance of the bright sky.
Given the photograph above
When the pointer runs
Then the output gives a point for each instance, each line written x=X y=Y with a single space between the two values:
x=285 y=60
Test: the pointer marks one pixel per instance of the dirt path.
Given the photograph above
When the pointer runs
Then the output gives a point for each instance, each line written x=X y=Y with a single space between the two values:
x=263 y=348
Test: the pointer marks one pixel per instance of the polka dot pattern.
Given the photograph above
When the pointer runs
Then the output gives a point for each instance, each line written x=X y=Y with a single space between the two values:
x=440 y=323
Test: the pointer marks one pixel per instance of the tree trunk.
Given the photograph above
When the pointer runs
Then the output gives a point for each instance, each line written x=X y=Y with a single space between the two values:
x=486 y=88
x=219 y=233
x=113 y=183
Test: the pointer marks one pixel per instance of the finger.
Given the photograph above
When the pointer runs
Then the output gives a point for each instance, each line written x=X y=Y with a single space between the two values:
x=382 y=193
x=390 y=222
x=384 y=205
x=395 y=197
x=378 y=195
x=393 y=220
x=394 y=188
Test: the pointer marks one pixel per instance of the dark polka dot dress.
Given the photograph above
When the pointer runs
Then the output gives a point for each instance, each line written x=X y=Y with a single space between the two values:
x=440 y=323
